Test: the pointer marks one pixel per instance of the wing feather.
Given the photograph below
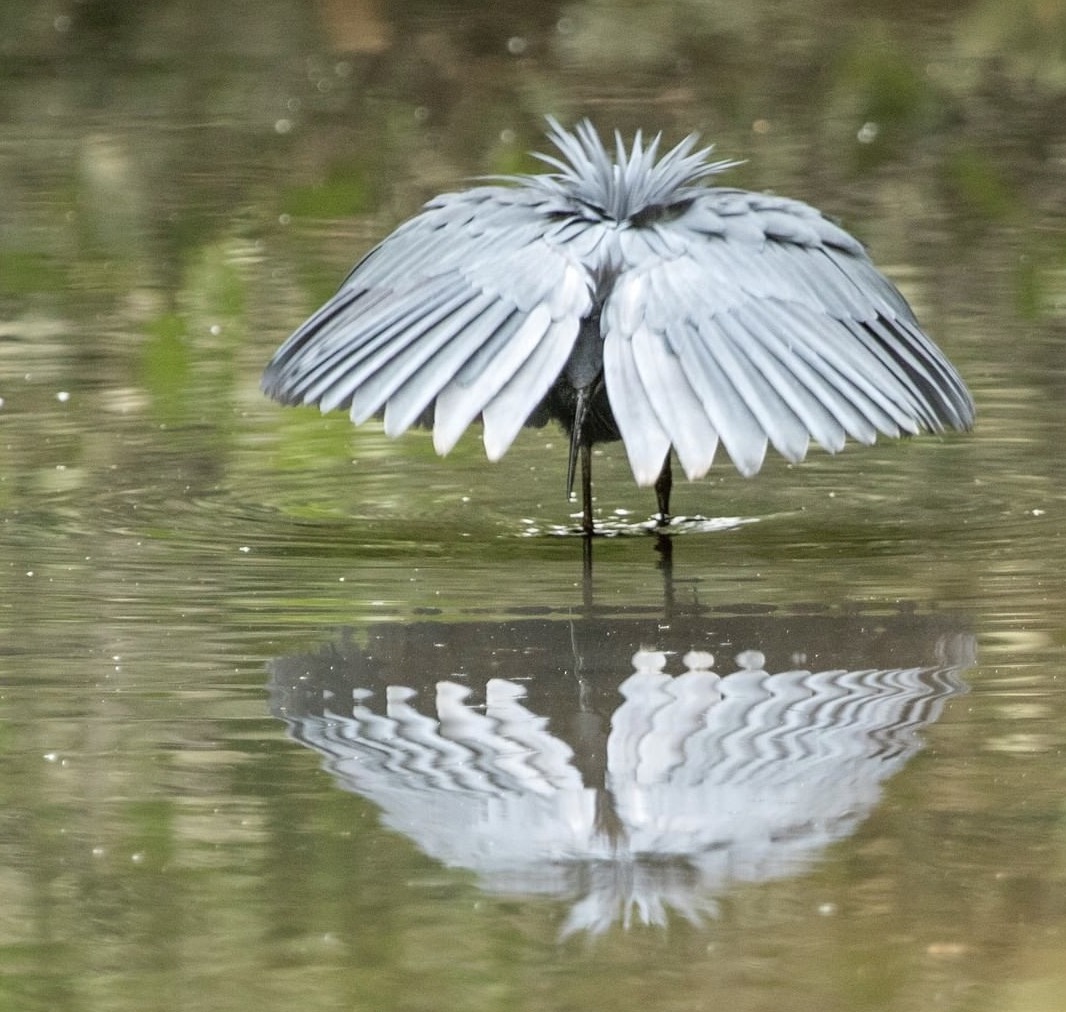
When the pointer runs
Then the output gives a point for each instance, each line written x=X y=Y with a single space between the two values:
x=337 y=378
x=407 y=400
x=383 y=373
x=677 y=405
x=827 y=415
x=646 y=442
x=319 y=355
x=520 y=396
x=830 y=394
x=759 y=321
x=453 y=307
x=776 y=420
x=459 y=403
x=727 y=410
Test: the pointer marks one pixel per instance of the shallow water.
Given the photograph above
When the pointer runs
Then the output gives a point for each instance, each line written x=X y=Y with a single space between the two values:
x=293 y=713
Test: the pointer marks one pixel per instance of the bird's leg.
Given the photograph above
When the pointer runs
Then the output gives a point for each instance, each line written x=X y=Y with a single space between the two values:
x=580 y=445
x=663 y=484
x=586 y=489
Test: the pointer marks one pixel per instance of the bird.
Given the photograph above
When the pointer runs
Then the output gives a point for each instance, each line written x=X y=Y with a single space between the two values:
x=624 y=296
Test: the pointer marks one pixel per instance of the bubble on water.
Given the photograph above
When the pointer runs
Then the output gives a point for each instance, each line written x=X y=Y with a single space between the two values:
x=868 y=133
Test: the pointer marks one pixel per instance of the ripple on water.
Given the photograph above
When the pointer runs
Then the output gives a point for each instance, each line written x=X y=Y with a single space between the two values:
x=618 y=526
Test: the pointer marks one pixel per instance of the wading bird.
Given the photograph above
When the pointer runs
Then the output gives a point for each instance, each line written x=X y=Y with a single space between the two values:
x=626 y=299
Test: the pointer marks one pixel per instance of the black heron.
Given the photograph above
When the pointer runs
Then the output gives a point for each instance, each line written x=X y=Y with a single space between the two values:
x=626 y=299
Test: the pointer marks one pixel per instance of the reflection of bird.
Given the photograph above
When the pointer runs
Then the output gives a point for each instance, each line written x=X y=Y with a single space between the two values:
x=710 y=778
x=626 y=301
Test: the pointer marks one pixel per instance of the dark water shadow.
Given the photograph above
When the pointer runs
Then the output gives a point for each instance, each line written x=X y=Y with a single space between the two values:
x=634 y=762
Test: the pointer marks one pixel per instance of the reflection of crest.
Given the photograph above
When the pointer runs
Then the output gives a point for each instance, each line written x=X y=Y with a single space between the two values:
x=633 y=790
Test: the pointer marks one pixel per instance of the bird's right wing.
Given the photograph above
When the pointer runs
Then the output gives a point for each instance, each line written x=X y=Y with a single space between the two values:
x=472 y=306
x=753 y=319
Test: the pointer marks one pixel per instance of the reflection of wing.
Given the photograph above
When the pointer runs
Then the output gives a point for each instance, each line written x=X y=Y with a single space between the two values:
x=769 y=765
x=709 y=779
x=753 y=318
x=492 y=790
x=472 y=305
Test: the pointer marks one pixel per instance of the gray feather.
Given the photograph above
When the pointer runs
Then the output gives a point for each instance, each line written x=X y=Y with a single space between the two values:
x=508 y=411
x=459 y=403
x=645 y=440
x=493 y=330
x=677 y=406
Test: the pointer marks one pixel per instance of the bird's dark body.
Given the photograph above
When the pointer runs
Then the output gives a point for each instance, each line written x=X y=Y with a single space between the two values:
x=583 y=374
x=560 y=405
x=626 y=302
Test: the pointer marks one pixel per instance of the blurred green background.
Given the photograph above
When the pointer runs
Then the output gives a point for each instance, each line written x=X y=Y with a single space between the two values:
x=181 y=183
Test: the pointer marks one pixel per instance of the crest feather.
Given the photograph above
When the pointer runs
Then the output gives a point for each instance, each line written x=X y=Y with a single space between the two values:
x=633 y=180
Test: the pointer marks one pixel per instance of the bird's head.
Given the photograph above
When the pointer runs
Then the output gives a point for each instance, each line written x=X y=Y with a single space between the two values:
x=633 y=181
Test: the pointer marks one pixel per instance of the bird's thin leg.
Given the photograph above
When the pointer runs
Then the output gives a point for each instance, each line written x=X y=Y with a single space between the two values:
x=580 y=445
x=663 y=484
x=586 y=488
x=586 y=520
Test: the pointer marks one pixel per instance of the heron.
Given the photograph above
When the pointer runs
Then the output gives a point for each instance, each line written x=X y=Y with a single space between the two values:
x=625 y=297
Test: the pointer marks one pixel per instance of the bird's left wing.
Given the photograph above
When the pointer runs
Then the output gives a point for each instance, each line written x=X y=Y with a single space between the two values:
x=753 y=319
x=472 y=306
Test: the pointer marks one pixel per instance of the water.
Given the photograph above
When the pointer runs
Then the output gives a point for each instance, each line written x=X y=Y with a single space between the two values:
x=220 y=792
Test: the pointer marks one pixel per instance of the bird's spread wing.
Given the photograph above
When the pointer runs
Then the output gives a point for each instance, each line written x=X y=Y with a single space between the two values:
x=472 y=306
x=753 y=319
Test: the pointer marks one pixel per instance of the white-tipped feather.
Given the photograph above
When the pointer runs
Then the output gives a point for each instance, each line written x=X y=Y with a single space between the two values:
x=645 y=440
x=676 y=404
x=458 y=404
x=509 y=410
